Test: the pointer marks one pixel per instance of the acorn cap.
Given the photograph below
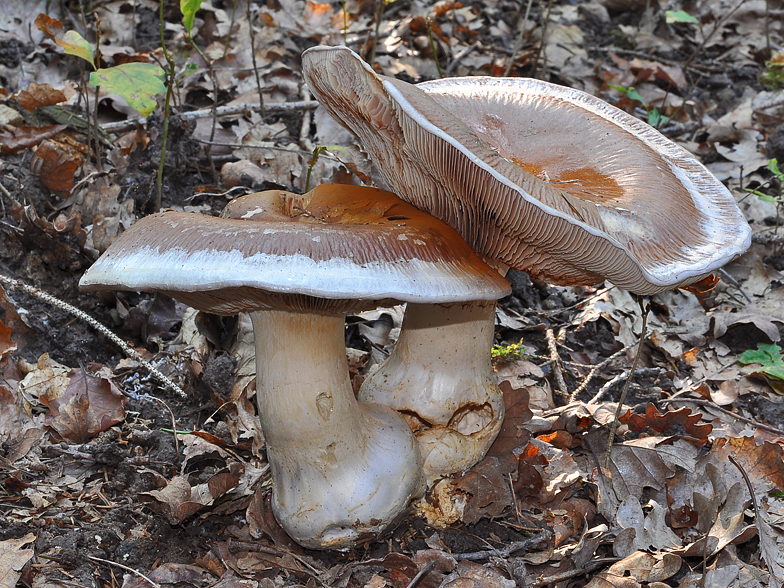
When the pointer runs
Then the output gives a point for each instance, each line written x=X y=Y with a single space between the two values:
x=543 y=178
x=351 y=245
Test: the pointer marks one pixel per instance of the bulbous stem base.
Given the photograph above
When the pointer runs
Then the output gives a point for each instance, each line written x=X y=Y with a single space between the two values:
x=440 y=377
x=339 y=468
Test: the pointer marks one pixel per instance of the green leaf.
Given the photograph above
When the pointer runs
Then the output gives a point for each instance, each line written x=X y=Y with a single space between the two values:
x=679 y=16
x=768 y=355
x=189 y=8
x=71 y=41
x=767 y=198
x=656 y=118
x=138 y=83
x=635 y=95
x=773 y=165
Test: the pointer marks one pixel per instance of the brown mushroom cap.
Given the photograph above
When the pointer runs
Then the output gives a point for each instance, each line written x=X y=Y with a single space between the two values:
x=543 y=178
x=352 y=245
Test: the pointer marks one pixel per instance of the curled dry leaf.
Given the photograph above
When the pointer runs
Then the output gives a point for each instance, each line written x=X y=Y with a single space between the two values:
x=38 y=95
x=178 y=500
x=489 y=488
x=55 y=164
x=13 y=558
x=512 y=434
x=87 y=406
x=16 y=139
x=672 y=422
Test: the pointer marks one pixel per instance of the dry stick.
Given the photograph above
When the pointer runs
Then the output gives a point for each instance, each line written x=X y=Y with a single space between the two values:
x=702 y=44
x=556 y=360
x=129 y=351
x=166 y=111
x=645 y=372
x=124 y=567
x=380 y=4
x=459 y=57
x=229 y=110
x=597 y=563
x=595 y=370
x=422 y=573
x=253 y=58
x=211 y=70
x=614 y=426
x=541 y=48
x=507 y=550
x=520 y=38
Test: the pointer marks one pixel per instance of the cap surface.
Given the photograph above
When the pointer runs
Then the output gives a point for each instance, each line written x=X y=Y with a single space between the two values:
x=370 y=248
x=544 y=178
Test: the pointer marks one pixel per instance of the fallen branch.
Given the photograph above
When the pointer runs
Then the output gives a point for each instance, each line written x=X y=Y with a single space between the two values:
x=228 y=110
x=61 y=304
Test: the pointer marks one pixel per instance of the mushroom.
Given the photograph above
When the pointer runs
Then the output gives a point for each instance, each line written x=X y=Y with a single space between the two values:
x=340 y=468
x=534 y=176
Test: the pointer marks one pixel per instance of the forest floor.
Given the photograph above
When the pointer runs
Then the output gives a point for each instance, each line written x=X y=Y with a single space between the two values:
x=108 y=479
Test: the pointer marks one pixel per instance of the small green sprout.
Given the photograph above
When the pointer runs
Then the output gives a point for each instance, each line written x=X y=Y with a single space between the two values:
x=507 y=353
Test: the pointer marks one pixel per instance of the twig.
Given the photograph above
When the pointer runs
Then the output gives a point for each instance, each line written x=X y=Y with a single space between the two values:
x=253 y=58
x=556 y=359
x=734 y=282
x=507 y=550
x=459 y=57
x=520 y=38
x=714 y=406
x=705 y=40
x=614 y=426
x=595 y=370
x=597 y=563
x=228 y=110
x=422 y=573
x=749 y=486
x=124 y=567
x=644 y=372
x=129 y=351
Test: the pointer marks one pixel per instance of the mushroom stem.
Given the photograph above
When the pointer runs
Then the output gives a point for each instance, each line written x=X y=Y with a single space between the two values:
x=440 y=377
x=333 y=460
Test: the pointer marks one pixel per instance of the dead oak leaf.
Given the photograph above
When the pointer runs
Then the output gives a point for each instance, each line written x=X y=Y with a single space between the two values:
x=16 y=139
x=38 y=95
x=13 y=558
x=488 y=485
x=87 y=406
x=55 y=164
x=672 y=422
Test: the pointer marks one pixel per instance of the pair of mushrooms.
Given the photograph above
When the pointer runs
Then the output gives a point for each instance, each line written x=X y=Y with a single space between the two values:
x=532 y=176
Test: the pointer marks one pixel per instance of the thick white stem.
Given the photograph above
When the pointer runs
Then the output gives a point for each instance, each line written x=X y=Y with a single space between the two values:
x=339 y=468
x=440 y=376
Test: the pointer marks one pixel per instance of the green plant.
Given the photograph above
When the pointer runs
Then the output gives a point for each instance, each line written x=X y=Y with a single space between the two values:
x=768 y=356
x=680 y=16
x=507 y=353
x=772 y=77
x=655 y=118
x=137 y=82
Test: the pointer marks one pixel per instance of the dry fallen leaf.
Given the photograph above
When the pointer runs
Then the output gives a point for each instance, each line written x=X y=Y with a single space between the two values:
x=13 y=558
x=87 y=406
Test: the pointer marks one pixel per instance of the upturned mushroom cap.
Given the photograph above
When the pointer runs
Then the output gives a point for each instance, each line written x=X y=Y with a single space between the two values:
x=351 y=245
x=544 y=178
